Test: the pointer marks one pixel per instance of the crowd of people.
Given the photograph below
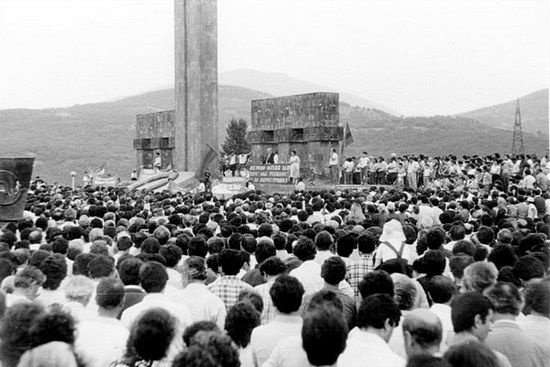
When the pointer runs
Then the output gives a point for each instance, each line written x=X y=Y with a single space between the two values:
x=423 y=275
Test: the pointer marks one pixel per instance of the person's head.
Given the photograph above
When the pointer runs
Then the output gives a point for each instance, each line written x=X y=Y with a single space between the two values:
x=478 y=276
x=128 y=271
x=333 y=270
x=172 y=254
x=208 y=349
x=286 y=294
x=323 y=241
x=264 y=250
x=196 y=327
x=239 y=322
x=377 y=281
x=54 y=268
x=502 y=255
x=198 y=246
x=422 y=332
x=101 y=266
x=304 y=249
x=193 y=270
x=15 y=330
x=253 y=298
x=325 y=298
x=528 y=267
x=433 y=263
x=435 y=238
x=230 y=261
x=53 y=325
x=110 y=294
x=471 y=354
x=404 y=291
x=367 y=243
x=79 y=289
x=151 y=335
x=29 y=280
x=153 y=277
x=380 y=313
x=272 y=266
x=457 y=232
x=441 y=289
x=505 y=297
x=472 y=312
x=324 y=335
x=485 y=235
x=537 y=297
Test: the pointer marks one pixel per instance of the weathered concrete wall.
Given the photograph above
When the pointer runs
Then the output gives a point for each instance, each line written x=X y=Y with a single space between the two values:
x=196 y=81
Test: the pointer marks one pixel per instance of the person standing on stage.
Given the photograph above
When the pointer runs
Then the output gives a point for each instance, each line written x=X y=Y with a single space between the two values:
x=157 y=163
x=233 y=163
x=294 y=167
x=363 y=166
x=333 y=165
x=270 y=157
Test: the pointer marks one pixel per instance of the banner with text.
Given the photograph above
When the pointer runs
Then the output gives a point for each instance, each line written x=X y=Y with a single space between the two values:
x=270 y=173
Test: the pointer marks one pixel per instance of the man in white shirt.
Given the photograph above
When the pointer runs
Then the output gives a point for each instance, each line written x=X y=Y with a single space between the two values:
x=203 y=304
x=422 y=333
x=367 y=344
x=286 y=294
x=309 y=272
x=101 y=340
x=153 y=279
x=537 y=323
x=333 y=165
x=26 y=284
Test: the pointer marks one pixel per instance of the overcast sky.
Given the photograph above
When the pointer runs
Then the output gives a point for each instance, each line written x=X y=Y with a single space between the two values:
x=417 y=57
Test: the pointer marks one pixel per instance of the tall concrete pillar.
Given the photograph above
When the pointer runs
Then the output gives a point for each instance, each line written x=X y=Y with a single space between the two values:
x=196 y=81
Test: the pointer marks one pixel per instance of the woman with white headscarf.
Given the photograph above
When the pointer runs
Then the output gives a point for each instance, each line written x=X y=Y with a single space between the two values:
x=392 y=242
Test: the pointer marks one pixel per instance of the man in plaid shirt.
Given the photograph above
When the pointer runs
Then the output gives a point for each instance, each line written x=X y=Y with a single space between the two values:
x=228 y=286
x=357 y=269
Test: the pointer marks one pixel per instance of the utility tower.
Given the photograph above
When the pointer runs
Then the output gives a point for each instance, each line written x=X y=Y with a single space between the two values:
x=517 y=142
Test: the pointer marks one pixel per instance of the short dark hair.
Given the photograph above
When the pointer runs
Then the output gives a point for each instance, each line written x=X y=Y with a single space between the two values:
x=376 y=309
x=101 y=266
x=472 y=353
x=537 y=297
x=195 y=327
x=129 y=271
x=264 y=251
x=502 y=255
x=172 y=254
x=54 y=325
x=377 y=281
x=197 y=247
x=272 y=266
x=441 y=289
x=323 y=240
x=208 y=349
x=528 y=267
x=151 y=334
x=109 y=293
x=458 y=264
x=485 y=235
x=433 y=262
x=26 y=277
x=54 y=268
x=304 y=249
x=464 y=247
x=457 y=232
x=325 y=298
x=505 y=297
x=124 y=243
x=464 y=308
x=81 y=265
x=333 y=270
x=286 y=294
x=153 y=277
x=279 y=240
x=367 y=243
x=324 y=336
x=253 y=298
x=239 y=322
x=435 y=238
x=230 y=261
x=151 y=245
x=265 y=229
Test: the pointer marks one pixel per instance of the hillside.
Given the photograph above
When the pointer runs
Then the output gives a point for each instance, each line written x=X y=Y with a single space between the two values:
x=82 y=136
x=534 y=113
x=279 y=84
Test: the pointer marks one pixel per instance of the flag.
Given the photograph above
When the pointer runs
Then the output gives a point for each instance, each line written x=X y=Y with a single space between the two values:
x=348 y=137
x=208 y=157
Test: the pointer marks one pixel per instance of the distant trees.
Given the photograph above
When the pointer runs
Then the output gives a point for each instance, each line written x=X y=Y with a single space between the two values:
x=235 y=140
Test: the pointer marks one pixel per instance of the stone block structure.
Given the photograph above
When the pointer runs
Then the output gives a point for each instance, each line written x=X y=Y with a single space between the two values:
x=306 y=123
x=155 y=134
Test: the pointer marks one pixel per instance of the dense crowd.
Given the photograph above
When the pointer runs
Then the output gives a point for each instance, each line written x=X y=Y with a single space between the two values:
x=432 y=275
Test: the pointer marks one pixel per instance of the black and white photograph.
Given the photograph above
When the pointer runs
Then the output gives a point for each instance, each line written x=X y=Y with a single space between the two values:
x=274 y=183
